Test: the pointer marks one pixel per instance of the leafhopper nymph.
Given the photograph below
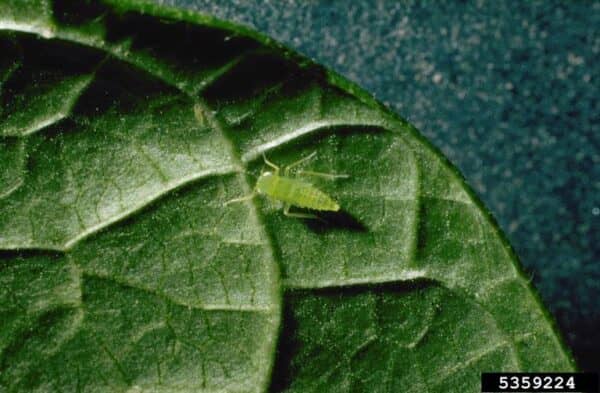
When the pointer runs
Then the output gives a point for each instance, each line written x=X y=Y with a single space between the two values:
x=282 y=184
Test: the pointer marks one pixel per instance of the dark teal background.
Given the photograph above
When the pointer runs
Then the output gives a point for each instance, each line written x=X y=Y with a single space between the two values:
x=508 y=90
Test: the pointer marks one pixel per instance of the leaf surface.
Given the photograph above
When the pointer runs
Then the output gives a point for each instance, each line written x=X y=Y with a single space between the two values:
x=124 y=127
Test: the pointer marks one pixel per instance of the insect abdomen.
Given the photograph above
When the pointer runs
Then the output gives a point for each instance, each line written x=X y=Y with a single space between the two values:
x=296 y=192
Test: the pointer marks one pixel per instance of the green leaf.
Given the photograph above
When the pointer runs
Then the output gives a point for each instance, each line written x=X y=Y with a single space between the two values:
x=125 y=126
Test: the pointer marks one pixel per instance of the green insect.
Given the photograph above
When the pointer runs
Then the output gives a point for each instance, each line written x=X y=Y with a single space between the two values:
x=291 y=190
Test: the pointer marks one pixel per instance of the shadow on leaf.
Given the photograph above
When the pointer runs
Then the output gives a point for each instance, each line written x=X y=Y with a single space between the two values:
x=340 y=220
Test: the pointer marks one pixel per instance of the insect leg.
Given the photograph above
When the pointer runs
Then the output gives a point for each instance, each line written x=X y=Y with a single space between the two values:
x=286 y=212
x=329 y=176
x=300 y=161
x=269 y=163
x=241 y=199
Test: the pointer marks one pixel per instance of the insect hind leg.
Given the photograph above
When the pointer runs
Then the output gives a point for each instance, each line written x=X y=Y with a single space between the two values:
x=287 y=213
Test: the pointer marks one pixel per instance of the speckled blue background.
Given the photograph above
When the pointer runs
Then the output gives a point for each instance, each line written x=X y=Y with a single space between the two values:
x=507 y=90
